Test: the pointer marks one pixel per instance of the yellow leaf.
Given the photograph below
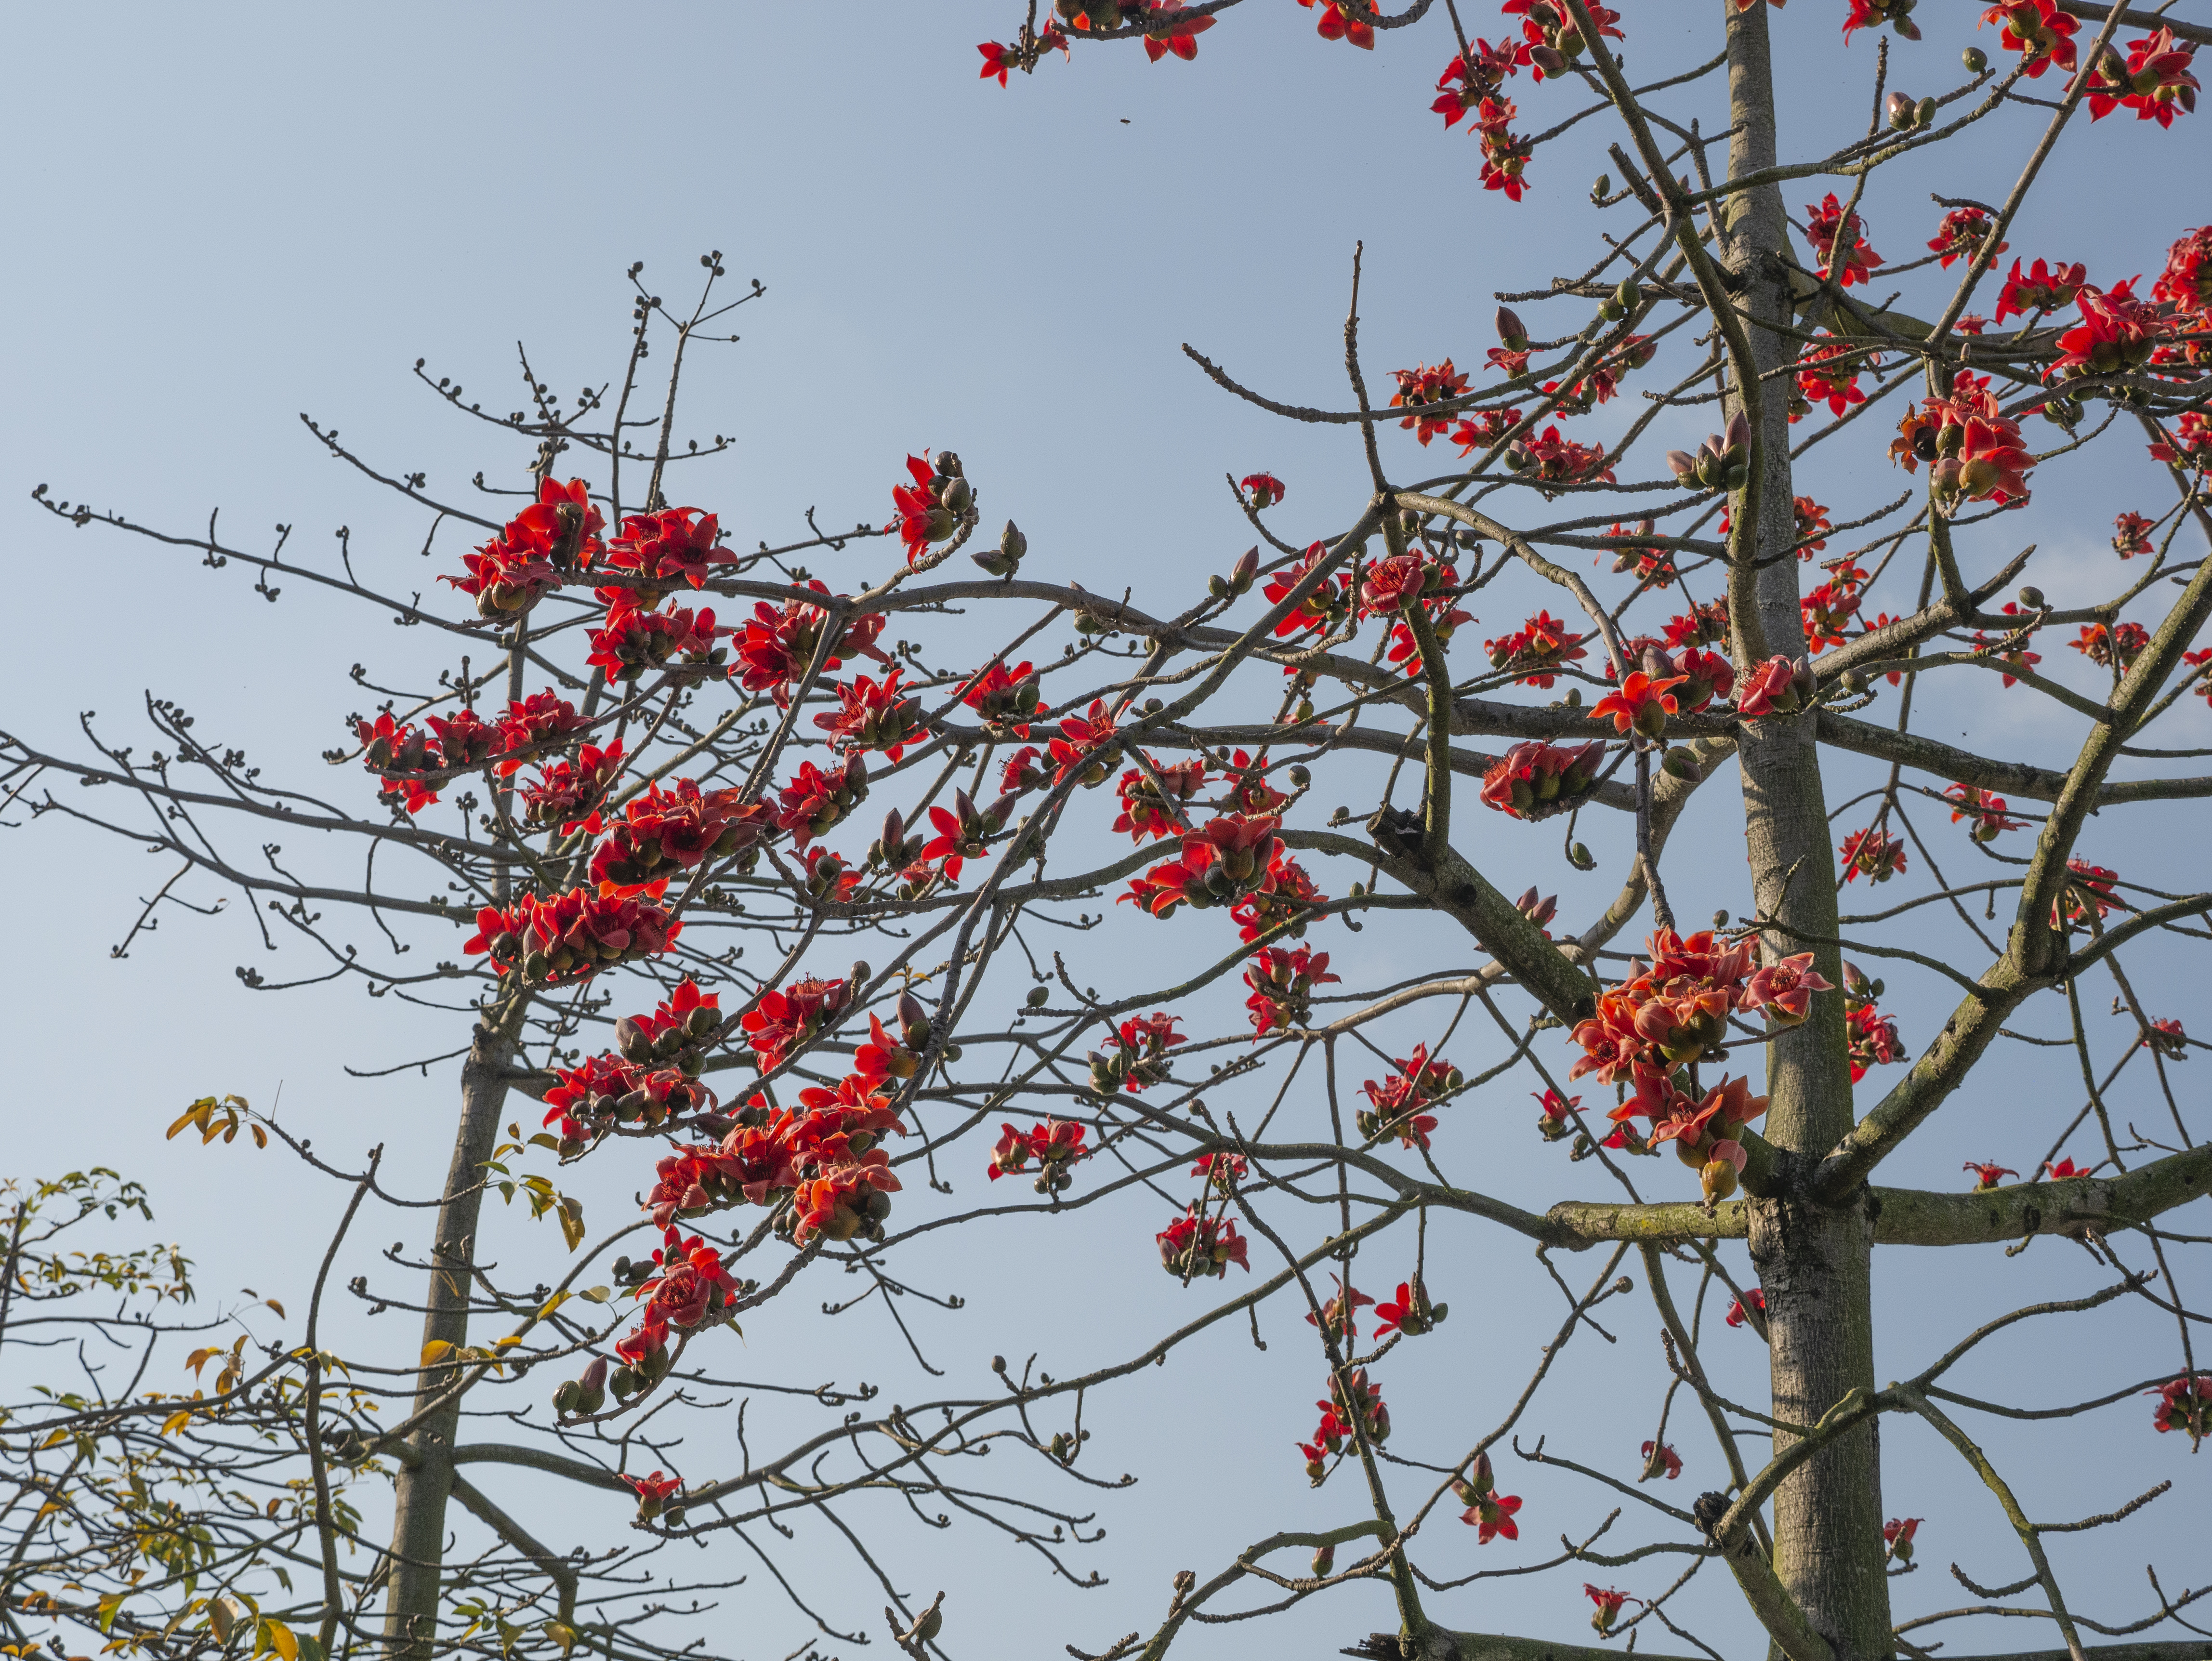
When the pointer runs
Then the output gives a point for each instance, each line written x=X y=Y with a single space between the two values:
x=572 y=1221
x=274 y=1305
x=196 y=1114
x=200 y=1358
x=435 y=1350
x=552 y=1304
x=283 y=1640
x=176 y=1421
x=504 y=1343
x=108 y=1606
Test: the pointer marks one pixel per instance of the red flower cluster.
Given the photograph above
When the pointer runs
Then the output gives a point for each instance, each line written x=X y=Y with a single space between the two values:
x=1974 y=449
x=1349 y=21
x=676 y=543
x=2122 y=644
x=571 y=936
x=815 y=801
x=1961 y=236
x=1144 y=810
x=1553 y=35
x=2155 y=81
x=1199 y=1245
x=1165 y=32
x=1467 y=81
x=1398 y=1100
x=1231 y=857
x=786 y=1020
x=2042 y=289
x=780 y=643
x=2087 y=886
x=1352 y=1400
x=1826 y=225
x=1984 y=810
x=2191 y=446
x=1828 y=372
x=1006 y=700
x=1140 y=1054
x=2185 y=284
x=1896 y=1534
x=934 y=506
x=2116 y=332
x=2036 y=29
x=630 y=641
x=1419 y=387
x=1056 y=1145
x=1872 y=853
x=1551 y=460
x=1873 y=1039
x=1284 y=902
x=1504 y=153
x=555 y=534
x=2184 y=1405
x=1660 y=1459
x=1085 y=746
x=873 y=716
x=1536 y=651
x=2010 y=649
x=1488 y=1511
x=998 y=59
x=1829 y=609
x=2131 y=535
x=664 y=832
x=1536 y=780
x=1282 y=982
x=1410 y=1312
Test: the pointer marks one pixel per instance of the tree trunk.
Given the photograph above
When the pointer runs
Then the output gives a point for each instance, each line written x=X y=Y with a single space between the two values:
x=1813 y=1264
x=424 y=1484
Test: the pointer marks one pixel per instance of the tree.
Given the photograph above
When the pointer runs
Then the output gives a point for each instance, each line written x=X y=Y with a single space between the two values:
x=664 y=801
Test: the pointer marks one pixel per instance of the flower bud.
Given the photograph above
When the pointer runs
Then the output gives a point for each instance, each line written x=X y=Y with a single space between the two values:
x=1242 y=572
x=1549 y=59
x=1975 y=59
x=1581 y=858
x=1899 y=109
x=1684 y=464
x=1678 y=764
x=2032 y=597
x=1739 y=433
x=1324 y=1562
x=1923 y=113
x=1509 y=330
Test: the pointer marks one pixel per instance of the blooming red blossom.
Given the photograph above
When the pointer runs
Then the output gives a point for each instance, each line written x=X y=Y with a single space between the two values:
x=1896 y=1534
x=1872 y=14
x=1785 y=987
x=1828 y=372
x=1397 y=1099
x=1506 y=154
x=1467 y=81
x=630 y=641
x=1828 y=610
x=1419 y=387
x=1609 y=1603
x=653 y=1492
x=1536 y=651
x=2010 y=649
x=1552 y=1122
x=1222 y=1171
x=1756 y=1298
x=998 y=59
x=1984 y=810
x=1534 y=780
x=1197 y=1245
x=2167 y=1039
x=1338 y=1317
x=815 y=801
x=1282 y=980
x=1641 y=704
x=1660 y=1459
x=2060 y=1170
x=1987 y=1176
x=934 y=506
x=1873 y=853
x=2117 y=331
x=1283 y=901
x=1086 y=745
x=1264 y=489
x=872 y=716
x=1165 y=32
x=1961 y=236
x=778 y=645
x=2043 y=288
x=674 y=543
x=1411 y=1312
x=665 y=831
x=1349 y=21
x=786 y=1019
x=1144 y=810
x=1554 y=460
x=2192 y=444
x=2131 y=535
x=1827 y=227
x=2087 y=886
x=2185 y=284
x=2120 y=645
x=1056 y=1144
x=2185 y=1405
x=2155 y=81
x=1873 y=1039
x=1488 y=1511
x=1552 y=34
x=2036 y=29
x=571 y=936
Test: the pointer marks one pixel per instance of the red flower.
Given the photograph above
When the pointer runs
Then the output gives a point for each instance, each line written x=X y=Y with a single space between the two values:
x=557 y=533
x=1475 y=80
x=1489 y=1512
x=2167 y=1039
x=1424 y=385
x=1397 y=1100
x=814 y=800
x=1874 y=1038
x=1873 y=853
x=779 y=643
x=1165 y=32
x=1536 y=651
x=786 y=1019
x=663 y=831
x=1222 y=1171
x=540 y=722
x=1086 y=745
x=1144 y=812
x=1756 y=1297
x=2184 y=1405
x=1195 y=1245
x=1771 y=690
x=1872 y=14
x=997 y=59
x=2062 y=1169
x=1285 y=900
x=1609 y=1603
x=1896 y=1534
x=653 y=1492
x=1985 y=809
x=1504 y=153
x=2191 y=446
x=870 y=716
x=1660 y=1459
x=570 y=937
x=2038 y=31
x=1785 y=988
x=1641 y=704
x=932 y=508
x=1338 y=1316
x=2122 y=644
x=1830 y=373
x=2154 y=82
x=1961 y=234
x=631 y=640
x=505 y=582
x=1345 y=20
x=2117 y=331
x=1282 y=982
x=2131 y=535
x=1411 y=1312
x=1987 y=1176
x=2044 y=289
x=1825 y=226
x=569 y=794
x=1534 y=780
x=676 y=542
x=1552 y=34
x=1057 y=1143
x=2087 y=884
x=2185 y=284
x=1828 y=610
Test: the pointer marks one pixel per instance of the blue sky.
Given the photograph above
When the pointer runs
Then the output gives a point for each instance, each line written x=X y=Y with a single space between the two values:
x=226 y=218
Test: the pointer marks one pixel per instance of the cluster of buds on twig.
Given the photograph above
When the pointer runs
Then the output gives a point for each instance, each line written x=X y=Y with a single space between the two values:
x=580 y=1398
x=1723 y=461
x=1907 y=116
x=1006 y=559
x=1056 y=1145
x=1239 y=579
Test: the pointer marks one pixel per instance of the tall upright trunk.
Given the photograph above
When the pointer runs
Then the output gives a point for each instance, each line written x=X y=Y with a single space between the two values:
x=1813 y=1264
x=425 y=1480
